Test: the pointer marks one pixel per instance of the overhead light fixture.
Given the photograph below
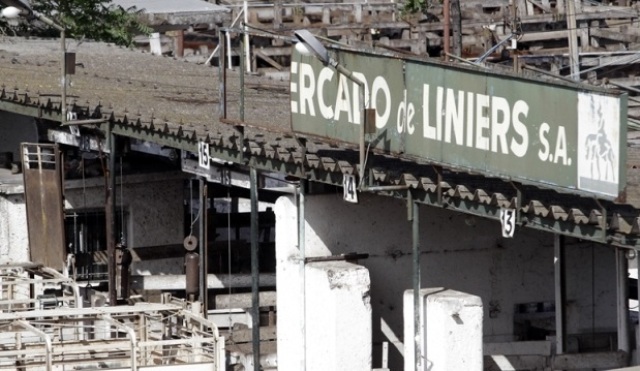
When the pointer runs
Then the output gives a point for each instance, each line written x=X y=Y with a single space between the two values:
x=11 y=12
x=13 y=9
x=309 y=43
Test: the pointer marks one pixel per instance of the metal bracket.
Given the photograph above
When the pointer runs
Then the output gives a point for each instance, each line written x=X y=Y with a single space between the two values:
x=438 y=171
x=240 y=142
x=518 y=203
x=342 y=257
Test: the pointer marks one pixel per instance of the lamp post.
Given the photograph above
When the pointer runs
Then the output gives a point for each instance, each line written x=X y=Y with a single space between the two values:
x=308 y=44
x=22 y=8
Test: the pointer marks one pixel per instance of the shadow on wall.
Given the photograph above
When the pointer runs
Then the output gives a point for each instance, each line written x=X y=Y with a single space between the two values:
x=15 y=129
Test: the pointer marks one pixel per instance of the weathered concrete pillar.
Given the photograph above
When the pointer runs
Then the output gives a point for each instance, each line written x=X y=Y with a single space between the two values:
x=338 y=317
x=451 y=330
x=325 y=325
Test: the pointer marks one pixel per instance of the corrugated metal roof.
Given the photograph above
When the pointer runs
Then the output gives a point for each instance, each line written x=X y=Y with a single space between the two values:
x=176 y=104
x=171 y=6
x=183 y=12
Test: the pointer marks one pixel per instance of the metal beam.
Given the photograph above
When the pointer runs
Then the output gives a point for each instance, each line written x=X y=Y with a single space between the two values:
x=559 y=274
x=214 y=281
x=110 y=216
x=622 y=291
x=38 y=111
x=414 y=217
x=302 y=271
x=202 y=227
x=255 y=269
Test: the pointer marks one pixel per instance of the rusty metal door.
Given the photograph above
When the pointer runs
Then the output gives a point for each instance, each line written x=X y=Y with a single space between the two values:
x=45 y=209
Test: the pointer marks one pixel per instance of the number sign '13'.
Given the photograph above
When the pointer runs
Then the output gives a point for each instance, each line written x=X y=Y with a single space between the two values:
x=508 y=221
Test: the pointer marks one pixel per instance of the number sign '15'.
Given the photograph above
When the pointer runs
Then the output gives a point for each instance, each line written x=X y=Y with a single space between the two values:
x=562 y=136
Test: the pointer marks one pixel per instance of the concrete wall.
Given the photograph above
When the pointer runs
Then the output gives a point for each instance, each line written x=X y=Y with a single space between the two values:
x=154 y=213
x=14 y=239
x=153 y=207
x=15 y=129
x=459 y=252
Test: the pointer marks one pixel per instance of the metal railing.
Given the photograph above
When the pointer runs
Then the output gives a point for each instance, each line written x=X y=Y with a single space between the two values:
x=127 y=337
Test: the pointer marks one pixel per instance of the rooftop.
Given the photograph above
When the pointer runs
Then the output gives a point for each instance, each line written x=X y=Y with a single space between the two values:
x=176 y=103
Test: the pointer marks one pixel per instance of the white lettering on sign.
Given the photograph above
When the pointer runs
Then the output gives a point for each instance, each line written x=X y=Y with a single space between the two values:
x=479 y=121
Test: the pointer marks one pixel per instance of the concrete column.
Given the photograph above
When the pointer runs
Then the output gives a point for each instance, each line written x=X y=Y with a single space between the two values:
x=559 y=278
x=291 y=331
x=338 y=317
x=622 y=290
x=451 y=330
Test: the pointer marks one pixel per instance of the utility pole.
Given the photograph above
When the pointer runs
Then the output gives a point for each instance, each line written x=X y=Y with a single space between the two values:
x=574 y=59
x=447 y=23
x=456 y=28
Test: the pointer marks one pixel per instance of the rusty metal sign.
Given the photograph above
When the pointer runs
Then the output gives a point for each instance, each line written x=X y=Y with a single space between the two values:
x=563 y=136
x=45 y=209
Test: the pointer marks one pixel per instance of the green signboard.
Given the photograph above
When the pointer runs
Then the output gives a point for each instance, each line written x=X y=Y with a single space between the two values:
x=563 y=136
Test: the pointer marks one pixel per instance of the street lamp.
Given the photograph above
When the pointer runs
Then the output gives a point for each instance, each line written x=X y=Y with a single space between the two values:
x=22 y=8
x=308 y=44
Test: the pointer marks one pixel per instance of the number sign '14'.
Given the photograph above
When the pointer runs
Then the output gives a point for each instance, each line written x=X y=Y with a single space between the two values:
x=350 y=193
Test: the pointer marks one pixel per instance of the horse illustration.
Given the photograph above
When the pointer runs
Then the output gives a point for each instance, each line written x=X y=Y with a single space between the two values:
x=599 y=153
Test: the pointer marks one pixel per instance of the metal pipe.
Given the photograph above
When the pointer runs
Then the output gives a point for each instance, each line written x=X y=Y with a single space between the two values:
x=222 y=79
x=132 y=337
x=302 y=247
x=538 y=70
x=415 y=232
x=110 y=216
x=574 y=59
x=447 y=26
x=47 y=340
x=386 y=188
x=255 y=269
x=63 y=68
x=229 y=63
x=622 y=267
x=202 y=227
x=247 y=53
x=242 y=63
x=456 y=27
x=559 y=275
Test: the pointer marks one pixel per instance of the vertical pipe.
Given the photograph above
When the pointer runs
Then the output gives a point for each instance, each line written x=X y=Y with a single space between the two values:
x=179 y=43
x=132 y=338
x=229 y=63
x=247 y=54
x=110 y=216
x=63 y=76
x=573 y=40
x=202 y=231
x=222 y=77
x=456 y=27
x=363 y=123
x=255 y=269
x=447 y=27
x=638 y=288
x=302 y=247
x=559 y=275
x=47 y=340
x=622 y=300
x=415 y=232
x=242 y=64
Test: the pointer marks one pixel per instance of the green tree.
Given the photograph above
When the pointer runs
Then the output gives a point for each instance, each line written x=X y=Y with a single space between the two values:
x=92 y=19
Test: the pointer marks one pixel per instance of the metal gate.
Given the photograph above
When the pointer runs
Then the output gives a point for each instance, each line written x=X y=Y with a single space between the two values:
x=45 y=210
